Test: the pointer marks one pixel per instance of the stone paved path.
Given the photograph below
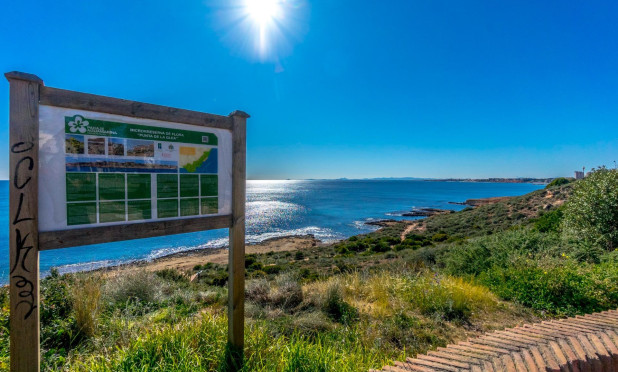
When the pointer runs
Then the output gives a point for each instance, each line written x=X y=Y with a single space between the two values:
x=586 y=343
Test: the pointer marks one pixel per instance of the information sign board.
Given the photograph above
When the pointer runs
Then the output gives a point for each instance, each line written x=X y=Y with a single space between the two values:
x=101 y=169
x=87 y=169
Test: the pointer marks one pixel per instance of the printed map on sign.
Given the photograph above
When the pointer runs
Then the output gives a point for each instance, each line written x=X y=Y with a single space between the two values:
x=117 y=172
x=198 y=159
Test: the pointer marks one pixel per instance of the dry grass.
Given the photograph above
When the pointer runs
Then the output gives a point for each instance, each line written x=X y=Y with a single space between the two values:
x=86 y=296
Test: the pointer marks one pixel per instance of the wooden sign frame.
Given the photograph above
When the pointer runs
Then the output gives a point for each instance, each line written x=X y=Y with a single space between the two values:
x=27 y=92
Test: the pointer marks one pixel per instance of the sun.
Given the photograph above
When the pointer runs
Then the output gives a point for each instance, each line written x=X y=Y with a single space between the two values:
x=267 y=29
x=263 y=11
x=266 y=16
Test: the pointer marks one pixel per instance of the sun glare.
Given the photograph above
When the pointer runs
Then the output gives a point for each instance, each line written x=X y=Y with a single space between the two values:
x=267 y=29
x=264 y=14
x=263 y=11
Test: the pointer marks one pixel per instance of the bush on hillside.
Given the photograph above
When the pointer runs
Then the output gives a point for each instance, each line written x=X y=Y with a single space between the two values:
x=59 y=329
x=549 y=221
x=591 y=213
x=439 y=237
x=558 y=182
x=336 y=308
x=499 y=250
x=565 y=289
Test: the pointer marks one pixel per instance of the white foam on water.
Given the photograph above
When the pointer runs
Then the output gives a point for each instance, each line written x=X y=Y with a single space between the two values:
x=158 y=253
x=363 y=227
x=394 y=214
x=88 y=266
x=323 y=234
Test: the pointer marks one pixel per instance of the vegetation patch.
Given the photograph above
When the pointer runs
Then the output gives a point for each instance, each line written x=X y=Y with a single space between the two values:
x=353 y=305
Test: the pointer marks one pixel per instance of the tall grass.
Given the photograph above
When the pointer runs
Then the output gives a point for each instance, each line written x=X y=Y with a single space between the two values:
x=449 y=298
x=199 y=345
x=86 y=295
x=385 y=293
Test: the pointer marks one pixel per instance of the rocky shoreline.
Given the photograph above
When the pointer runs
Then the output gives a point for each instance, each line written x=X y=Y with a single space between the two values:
x=426 y=212
x=482 y=201
x=185 y=261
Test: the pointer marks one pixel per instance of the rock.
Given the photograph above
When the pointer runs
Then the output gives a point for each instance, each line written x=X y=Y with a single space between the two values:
x=426 y=212
x=484 y=201
x=381 y=223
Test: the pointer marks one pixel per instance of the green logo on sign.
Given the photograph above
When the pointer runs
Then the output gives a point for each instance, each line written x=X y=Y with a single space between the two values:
x=78 y=124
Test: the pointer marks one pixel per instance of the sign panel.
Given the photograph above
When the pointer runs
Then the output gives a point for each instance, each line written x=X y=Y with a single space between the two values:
x=100 y=169
x=79 y=177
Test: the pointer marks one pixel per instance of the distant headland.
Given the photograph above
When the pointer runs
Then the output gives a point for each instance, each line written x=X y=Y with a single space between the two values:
x=497 y=180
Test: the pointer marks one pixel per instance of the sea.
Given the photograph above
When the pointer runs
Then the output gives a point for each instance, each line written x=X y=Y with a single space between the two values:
x=328 y=209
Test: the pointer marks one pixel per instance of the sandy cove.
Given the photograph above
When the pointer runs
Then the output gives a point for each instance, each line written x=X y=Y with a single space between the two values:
x=186 y=261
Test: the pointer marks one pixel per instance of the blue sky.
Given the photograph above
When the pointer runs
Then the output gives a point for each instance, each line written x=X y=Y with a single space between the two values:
x=350 y=88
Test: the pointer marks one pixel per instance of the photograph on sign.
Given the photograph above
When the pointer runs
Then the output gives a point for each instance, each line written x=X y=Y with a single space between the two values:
x=100 y=169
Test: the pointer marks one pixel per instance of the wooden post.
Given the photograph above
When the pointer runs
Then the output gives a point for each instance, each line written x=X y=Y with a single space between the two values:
x=23 y=221
x=236 y=267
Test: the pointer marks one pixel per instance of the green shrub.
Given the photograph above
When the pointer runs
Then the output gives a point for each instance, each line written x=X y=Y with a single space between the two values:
x=413 y=240
x=381 y=246
x=342 y=249
x=558 y=182
x=610 y=257
x=591 y=213
x=357 y=246
x=217 y=277
x=272 y=269
x=250 y=260
x=252 y=264
x=549 y=221
x=440 y=237
x=425 y=256
x=565 y=289
x=402 y=246
x=345 y=267
x=59 y=329
x=583 y=253
x=336 y=308
x=172 y=275
x=502 y=249
x=308 y=275
x=390 y=240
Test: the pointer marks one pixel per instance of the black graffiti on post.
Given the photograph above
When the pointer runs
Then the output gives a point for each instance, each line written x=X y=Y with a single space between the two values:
x=15 y=149
x=21 y=178
x=21 y=246
x=17 y=167
x=18 y=217
x=27 y=294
